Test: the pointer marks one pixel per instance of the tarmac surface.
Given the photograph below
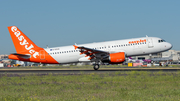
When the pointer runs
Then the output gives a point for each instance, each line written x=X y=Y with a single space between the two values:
x=101 y=70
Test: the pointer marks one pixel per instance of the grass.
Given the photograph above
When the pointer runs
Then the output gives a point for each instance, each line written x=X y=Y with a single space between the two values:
x=117 y=86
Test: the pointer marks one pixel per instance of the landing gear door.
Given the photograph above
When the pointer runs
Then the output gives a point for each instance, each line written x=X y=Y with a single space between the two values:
x=42 y=55
x=150 y=43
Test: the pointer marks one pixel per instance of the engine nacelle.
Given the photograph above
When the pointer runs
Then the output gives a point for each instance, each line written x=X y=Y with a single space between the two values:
x=115 y=58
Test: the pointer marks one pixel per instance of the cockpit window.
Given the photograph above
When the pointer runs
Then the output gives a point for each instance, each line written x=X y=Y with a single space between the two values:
x=161 y=41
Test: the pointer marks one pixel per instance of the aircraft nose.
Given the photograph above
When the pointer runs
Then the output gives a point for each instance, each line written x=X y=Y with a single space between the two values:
x=169 y=46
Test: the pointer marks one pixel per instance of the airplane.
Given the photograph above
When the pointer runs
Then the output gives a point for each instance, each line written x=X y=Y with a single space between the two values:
x=112 y=52
x=163 y=58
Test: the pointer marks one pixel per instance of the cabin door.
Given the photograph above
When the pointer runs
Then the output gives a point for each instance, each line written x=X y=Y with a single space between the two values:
x=150 y=43
x=42 y=55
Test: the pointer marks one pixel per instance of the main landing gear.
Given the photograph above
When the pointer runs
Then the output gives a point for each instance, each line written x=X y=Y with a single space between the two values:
x=96 y=66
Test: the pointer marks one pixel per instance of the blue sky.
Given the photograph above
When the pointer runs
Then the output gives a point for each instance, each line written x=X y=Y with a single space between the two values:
x=65 y=22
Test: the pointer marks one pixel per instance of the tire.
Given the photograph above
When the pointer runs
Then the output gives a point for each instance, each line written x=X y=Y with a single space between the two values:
x=96 y=67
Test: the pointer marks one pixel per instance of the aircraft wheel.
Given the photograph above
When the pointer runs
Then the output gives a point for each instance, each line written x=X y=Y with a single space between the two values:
x=96 y=66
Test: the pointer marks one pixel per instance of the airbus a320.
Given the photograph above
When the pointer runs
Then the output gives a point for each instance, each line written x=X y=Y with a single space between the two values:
x=112 y=52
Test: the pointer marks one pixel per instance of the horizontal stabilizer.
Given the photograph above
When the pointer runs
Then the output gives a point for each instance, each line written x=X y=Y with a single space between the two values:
x=25 y=56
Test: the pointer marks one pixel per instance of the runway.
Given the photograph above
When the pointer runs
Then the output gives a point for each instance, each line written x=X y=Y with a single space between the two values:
x=101 y=70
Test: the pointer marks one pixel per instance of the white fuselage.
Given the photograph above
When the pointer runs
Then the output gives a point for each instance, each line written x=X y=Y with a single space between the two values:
x=131 y=47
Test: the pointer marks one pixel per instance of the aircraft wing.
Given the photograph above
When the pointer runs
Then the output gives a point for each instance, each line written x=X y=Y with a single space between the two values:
x=93 y=54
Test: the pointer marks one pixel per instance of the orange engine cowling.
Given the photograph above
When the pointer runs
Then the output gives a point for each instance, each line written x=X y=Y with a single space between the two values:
x=115 y=58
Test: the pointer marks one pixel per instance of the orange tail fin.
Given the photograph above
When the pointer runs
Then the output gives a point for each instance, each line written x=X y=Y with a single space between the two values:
x=22 y=43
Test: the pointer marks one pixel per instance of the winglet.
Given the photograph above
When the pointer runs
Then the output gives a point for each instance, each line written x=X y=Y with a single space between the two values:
x=130 y=58
x=75 y=47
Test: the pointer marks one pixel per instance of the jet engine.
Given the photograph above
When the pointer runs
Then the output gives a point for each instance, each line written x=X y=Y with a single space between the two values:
x=115 y=58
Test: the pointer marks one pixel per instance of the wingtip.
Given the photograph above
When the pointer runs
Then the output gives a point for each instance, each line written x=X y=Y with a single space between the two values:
x=75 y=47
